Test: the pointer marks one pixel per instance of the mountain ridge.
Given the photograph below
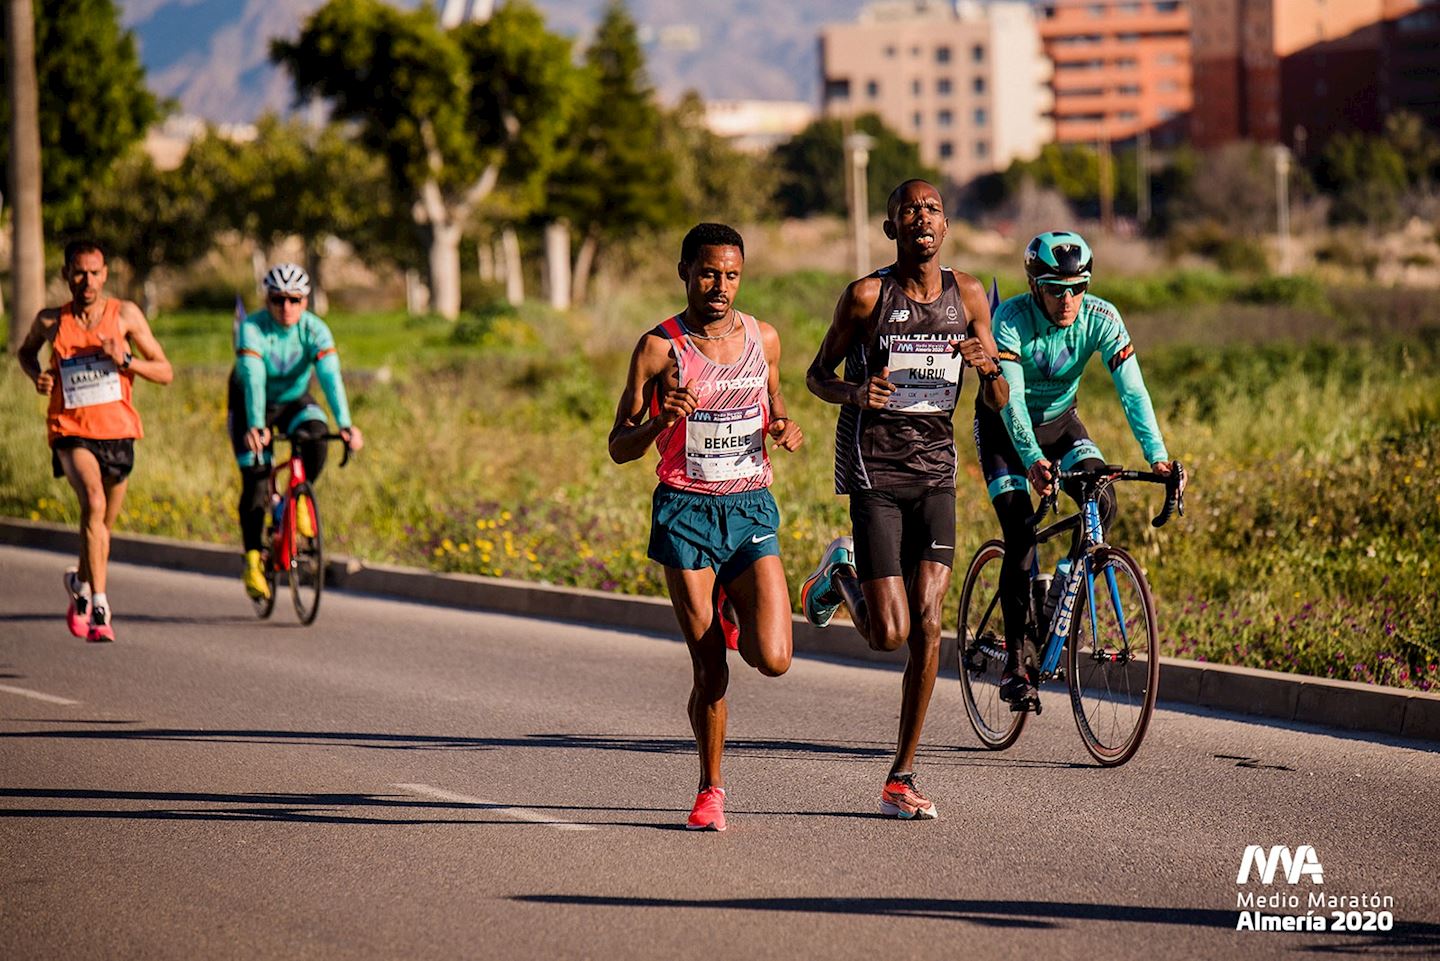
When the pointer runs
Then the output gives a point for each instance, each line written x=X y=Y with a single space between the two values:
x=212 y=55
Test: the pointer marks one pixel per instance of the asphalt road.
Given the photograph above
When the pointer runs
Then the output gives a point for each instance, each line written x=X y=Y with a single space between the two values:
x=403 y=781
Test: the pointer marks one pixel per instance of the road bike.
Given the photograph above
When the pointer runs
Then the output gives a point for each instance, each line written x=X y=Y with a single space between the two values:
x=1108 y=639
x=285 y=550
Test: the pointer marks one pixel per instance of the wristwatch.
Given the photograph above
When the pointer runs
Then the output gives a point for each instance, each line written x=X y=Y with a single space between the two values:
x=125 y=365
x=993 y=376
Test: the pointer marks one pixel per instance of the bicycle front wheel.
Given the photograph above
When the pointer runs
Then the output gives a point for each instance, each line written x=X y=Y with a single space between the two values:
x=307 y=561
x=981 y=648
x=1113 y=657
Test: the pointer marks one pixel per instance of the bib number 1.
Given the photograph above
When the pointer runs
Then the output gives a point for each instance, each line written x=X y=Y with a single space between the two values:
x=725 y=444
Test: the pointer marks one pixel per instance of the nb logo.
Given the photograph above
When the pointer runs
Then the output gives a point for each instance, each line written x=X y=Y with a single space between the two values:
x=1295 y=866
x=899 y=316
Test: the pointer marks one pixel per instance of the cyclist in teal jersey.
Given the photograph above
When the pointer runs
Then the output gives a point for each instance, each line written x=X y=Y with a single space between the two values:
x=276 y=349
x=1045 y=339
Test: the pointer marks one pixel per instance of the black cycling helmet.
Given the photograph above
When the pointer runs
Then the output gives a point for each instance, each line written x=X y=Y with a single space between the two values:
x=1058 y=254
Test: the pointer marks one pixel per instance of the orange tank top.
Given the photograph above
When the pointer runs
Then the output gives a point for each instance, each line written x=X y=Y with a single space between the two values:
x=91 y=397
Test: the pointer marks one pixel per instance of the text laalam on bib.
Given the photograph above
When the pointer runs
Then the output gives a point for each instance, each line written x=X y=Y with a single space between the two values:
x=89 y=379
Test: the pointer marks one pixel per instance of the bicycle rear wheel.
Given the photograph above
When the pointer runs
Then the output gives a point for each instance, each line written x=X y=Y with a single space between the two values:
x=264 y=606
x=307 y=561
x=981 y=651
x=1114 y=658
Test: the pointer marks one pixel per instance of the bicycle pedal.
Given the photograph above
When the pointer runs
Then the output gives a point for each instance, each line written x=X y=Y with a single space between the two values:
x=1026 y=704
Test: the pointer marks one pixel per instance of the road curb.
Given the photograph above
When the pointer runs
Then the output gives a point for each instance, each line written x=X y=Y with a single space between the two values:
x=1324 y=702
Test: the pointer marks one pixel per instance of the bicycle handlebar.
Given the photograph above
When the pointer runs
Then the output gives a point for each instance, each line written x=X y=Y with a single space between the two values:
x=345 y=458
x=1102 y=477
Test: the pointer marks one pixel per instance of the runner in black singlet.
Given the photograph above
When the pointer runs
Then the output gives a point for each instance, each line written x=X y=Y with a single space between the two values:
x=906 y=333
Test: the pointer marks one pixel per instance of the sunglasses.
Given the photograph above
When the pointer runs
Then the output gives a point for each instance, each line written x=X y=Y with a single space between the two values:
x=278 y=299
x=1058 y=289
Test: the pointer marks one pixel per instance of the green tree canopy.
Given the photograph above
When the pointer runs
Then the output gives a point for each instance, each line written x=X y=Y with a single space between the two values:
x=714 y=180
x=812 y=166
x=93 y=101
x=451 y=111
x=615 y=178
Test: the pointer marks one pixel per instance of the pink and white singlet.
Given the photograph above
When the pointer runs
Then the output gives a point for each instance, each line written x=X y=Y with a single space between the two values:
x=720 y=447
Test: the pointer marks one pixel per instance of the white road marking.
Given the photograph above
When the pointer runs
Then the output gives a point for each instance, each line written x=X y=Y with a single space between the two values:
x=47 y=698
x=519 y=814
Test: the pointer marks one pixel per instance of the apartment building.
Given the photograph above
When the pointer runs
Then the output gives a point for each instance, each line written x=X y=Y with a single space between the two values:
x=1299 y=71
x=967 y=81
x=1122 y=68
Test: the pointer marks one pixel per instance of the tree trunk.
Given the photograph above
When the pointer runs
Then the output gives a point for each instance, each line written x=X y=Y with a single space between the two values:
x=584 y=264
x=315 y=264
x=514 y=280
x=557 y=264
x=28 y=258
x=445 y=270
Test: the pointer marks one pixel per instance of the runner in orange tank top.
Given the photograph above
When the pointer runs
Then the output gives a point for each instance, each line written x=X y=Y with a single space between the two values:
x=98 y=346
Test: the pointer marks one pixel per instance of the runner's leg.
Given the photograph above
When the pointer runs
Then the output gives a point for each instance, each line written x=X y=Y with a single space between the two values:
x=82 y=470
x=931 y=582
x=762 y=600
x=691 y=594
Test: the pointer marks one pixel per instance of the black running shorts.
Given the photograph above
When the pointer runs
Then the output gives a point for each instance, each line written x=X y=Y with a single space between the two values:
x=897 y=528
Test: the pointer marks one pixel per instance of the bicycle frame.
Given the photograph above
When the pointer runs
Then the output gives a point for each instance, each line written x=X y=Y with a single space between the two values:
x=282 y=547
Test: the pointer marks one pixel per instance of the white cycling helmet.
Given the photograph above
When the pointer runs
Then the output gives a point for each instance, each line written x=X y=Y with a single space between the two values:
x=288 y=279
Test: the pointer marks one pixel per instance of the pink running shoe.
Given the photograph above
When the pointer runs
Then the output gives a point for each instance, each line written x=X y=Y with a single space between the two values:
x=708 y=814
x=77 y=615
x=101 y=630
x=725 y=614
x=901 y=799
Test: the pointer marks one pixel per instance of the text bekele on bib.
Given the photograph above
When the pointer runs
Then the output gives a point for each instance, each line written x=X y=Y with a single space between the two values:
x=725 y=444
x=925 y=369
x=89 y=379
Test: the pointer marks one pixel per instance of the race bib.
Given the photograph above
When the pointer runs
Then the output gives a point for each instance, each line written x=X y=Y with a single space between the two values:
x=89 y=380
x=724 y=444
x=926 y=375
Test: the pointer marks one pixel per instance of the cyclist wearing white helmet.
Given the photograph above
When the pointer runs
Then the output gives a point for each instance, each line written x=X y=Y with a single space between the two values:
x=1046 y=338
x=276 y=348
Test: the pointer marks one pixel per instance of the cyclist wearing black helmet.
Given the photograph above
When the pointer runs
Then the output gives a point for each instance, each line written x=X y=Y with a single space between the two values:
x=1046 y=338
x=276 y=348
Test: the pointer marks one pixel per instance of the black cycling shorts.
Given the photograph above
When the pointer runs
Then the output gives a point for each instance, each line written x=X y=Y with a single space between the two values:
x=116 y=457
x=897 y=528
x=1064 y=441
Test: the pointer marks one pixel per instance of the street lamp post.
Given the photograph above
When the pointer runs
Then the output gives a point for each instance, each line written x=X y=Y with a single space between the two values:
x=857 y=161
x=1282 y=204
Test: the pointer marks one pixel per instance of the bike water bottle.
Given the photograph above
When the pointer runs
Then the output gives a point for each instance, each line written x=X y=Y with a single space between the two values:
x=277 y=510
x=1039 y=598
x=1057 y=586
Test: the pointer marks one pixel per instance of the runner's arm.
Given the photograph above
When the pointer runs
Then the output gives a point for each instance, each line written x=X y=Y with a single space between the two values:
x=786 y=432
x=148 y=360
x=636 y=427
x=978 y=349
x=29 y=352
x=850 y=323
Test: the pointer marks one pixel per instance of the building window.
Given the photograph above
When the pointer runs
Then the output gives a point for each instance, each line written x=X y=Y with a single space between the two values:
x=837 y=89
x=1128 y=9
x=981 y=118
x=942 y=54
x=977 y=54
x=942 y=86
x=917 y=120
x=982 y=149
x=872 y=89
x=1128 y=90
x=944 y=118
x=915 y=87
x=1128 y=115
x=1127 y=63
x=947 y=150
x=1167 y=6
x=890 y=52
x=978 y=85
x=1096 y=9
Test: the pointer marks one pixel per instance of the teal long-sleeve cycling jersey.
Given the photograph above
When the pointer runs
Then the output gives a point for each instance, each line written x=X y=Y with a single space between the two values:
x=1043 y=364
x=274 y=362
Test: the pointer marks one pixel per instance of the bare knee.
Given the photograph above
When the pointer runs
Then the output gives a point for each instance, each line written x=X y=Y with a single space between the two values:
x=888 y=636
x=773 y=663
